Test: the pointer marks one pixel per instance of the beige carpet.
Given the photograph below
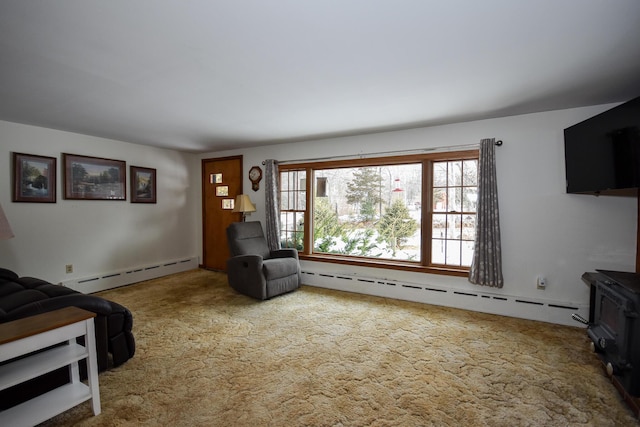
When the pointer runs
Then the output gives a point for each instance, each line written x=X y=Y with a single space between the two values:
x=207 y=356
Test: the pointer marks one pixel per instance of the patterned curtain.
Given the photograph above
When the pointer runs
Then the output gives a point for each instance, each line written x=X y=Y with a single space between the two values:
x=272 y=206
x=486 y=266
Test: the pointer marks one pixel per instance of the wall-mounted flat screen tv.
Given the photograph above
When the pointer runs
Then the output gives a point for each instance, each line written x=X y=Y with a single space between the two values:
x=602 y=154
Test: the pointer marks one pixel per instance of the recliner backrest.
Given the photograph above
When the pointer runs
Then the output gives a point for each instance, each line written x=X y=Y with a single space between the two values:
x=247 y=238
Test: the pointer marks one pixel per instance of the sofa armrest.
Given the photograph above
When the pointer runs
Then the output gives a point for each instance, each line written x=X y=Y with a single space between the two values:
x=87 y=302
x=45 y=287
x=8 y=274
x=102 y=343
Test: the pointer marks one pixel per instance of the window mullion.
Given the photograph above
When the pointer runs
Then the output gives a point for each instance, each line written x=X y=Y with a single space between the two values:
x=426 y=212
x=308 y=212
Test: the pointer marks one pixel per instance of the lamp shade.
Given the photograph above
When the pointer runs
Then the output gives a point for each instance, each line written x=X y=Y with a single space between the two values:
x=5 y=228
x=243 y=204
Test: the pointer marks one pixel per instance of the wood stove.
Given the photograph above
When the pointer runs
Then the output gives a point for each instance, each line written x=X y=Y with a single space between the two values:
x=614 y=324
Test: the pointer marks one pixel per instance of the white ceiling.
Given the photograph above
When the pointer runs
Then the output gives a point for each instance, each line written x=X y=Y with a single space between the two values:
x=206 y=75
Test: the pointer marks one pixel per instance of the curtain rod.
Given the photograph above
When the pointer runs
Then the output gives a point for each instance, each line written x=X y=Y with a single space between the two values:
x=498 y=143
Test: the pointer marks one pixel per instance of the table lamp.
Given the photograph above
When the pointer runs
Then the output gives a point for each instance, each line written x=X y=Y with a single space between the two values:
x=243 y=204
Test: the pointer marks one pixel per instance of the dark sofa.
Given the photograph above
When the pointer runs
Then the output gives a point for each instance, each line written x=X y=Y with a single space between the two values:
x=26 y=296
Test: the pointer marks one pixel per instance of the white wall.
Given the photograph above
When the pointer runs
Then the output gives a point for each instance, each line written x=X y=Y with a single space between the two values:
x=97 y=236
x=544 y=230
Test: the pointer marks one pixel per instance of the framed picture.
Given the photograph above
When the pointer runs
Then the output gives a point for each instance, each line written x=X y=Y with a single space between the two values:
x=228 y=203
x=143 y=185
x=222 y=191
x=34 y=178
x=216 y=178
x=94 y=178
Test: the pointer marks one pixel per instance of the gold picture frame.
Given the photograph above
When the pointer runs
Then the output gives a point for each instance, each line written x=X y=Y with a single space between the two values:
x=94 y=178
x=215 y=178
x=228 y=204
x=222 y=191
x=34 y=178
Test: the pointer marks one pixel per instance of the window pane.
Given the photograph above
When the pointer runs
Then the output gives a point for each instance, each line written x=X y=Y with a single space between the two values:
x=295 y=181
x=454 y=199
x=292 y=230
x=438 y=251
x=301 y=202
x=469 y=201
x=439 y=200
x=470 y=172
x=455 y=173
x=469 y=227
x=453 y=227
x=467 y=253
x=287 y=220
x=371 y=211
x=291 y=202
x=290 y=178
x=439 y=225
x=453 y=252
x=440 y=174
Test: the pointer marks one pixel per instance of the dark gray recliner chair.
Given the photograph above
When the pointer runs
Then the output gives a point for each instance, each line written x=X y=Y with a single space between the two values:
x=256 y=271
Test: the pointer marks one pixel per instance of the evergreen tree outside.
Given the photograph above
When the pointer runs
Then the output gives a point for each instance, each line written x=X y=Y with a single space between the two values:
x=396 y=226
x=361 y=243
x=363 y=191
x=368 y=209
x=327 y=229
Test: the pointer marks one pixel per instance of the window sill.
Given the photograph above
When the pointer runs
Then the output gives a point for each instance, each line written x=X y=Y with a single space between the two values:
x=388 y=264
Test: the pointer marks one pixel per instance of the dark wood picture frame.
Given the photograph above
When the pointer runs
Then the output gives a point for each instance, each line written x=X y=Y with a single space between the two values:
x=34 y=178
x=94 y=178
x=143 y=185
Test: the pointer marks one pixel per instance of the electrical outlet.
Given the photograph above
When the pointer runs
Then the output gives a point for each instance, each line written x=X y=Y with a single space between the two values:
x=541 y=283
x=69 y=268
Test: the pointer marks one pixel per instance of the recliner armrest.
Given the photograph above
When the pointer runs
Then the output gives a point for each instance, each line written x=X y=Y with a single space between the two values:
x=285 y=253
x=244 y=273
x=246 y=261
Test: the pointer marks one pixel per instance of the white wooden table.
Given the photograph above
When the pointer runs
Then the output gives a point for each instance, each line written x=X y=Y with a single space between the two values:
x=25 y=336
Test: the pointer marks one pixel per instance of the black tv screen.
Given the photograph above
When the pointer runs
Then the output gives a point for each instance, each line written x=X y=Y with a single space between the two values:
x=602 y=154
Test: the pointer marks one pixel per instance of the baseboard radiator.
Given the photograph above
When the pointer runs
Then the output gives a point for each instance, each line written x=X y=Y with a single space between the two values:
x=484 y=302
x=101 y=282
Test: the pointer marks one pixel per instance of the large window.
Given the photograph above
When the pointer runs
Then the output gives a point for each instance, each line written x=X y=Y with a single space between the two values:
x=406 y=212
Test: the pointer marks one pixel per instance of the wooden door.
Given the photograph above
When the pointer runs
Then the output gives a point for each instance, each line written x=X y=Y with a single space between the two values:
x=221 y=183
